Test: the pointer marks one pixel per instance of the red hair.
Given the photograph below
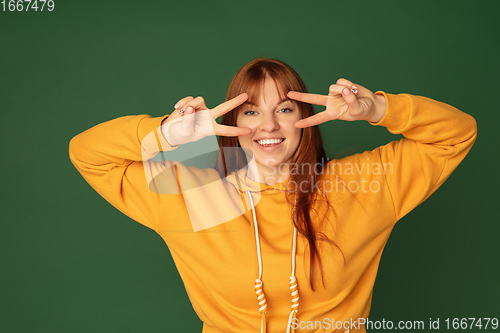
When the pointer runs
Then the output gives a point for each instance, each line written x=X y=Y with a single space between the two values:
x=310 y=152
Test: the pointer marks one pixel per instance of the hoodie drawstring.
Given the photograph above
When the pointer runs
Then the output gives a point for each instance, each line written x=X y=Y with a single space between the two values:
x=261 y=298
x=294 y=290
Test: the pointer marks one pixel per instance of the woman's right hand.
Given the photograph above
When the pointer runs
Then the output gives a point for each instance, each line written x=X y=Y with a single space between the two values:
x=198 y=121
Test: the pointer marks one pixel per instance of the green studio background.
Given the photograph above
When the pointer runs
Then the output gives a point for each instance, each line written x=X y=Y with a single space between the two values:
x=70 y=262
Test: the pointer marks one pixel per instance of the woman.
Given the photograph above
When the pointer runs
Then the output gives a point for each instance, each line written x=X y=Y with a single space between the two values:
x=275 y=237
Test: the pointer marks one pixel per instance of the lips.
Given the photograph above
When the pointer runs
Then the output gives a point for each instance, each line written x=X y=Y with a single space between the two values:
x=269 y=142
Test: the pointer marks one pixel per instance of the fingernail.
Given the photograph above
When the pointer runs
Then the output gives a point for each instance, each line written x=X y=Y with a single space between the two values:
x=176 y=106
x=354 y=89
x=181 y=112
x=346 y=91
x=189 y=109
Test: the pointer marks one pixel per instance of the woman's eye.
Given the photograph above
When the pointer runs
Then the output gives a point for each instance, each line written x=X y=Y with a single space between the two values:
x=285 y=110
x=250 y=113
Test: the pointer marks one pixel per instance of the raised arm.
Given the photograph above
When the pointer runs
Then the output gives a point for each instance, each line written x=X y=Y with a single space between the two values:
x=115 y=158
x=437 y=139
x=110 y=158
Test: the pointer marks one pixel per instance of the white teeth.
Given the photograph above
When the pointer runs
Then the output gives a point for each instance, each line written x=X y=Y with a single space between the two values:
x=270 y=141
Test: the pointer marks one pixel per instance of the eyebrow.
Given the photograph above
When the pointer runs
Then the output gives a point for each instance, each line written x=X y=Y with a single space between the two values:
x=280 y=102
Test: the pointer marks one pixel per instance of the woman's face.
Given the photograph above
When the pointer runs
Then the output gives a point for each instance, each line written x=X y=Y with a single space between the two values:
x=274 y=138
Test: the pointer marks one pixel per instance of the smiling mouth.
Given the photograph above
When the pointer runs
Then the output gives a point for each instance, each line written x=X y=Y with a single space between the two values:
x=269 y=142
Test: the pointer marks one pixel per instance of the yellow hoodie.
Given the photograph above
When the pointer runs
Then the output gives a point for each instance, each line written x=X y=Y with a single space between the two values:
x=208 y=224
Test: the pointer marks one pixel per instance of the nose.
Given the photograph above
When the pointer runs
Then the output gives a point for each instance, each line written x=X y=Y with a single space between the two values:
x=269 y=123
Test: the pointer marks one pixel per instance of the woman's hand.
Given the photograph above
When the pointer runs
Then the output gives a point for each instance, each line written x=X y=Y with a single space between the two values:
x=344 y=101
x=197 y=121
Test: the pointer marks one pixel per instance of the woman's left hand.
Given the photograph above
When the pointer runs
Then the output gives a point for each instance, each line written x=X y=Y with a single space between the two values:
x=345 y=101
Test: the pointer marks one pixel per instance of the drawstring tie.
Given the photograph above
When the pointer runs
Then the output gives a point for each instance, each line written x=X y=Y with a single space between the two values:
x=262 y=304
x=294 y=290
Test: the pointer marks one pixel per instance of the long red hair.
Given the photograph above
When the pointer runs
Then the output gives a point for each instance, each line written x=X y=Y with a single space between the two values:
x=310 y=152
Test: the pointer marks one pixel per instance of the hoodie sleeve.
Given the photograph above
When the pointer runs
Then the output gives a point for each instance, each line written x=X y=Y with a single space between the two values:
x=115 y=159
x=437 y=139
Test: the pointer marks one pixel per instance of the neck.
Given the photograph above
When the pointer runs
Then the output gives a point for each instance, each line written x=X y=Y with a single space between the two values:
x=269 y=175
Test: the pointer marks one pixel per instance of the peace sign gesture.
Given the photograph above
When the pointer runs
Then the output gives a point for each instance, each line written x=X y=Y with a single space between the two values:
x=195 y=121
x=344 y=101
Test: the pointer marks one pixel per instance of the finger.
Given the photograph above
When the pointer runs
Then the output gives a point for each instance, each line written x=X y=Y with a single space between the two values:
x=350 y=99
x=182 y=102
x=224 y=130
x=197 y=104
x=313 y=120
x=187 y=124
x=344 y=82
x=355 y=88
x=336 y=89
x=308 y=98
x=230 y=105
x=360 y=90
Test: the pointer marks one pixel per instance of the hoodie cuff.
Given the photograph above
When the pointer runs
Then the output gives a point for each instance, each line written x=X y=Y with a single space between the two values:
x=397 y=114
x=150 y=136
